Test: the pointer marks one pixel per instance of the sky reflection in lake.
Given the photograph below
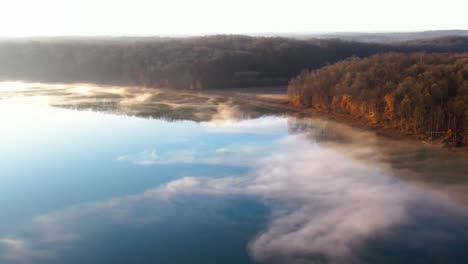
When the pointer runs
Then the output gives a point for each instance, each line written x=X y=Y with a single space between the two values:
x=91 y=187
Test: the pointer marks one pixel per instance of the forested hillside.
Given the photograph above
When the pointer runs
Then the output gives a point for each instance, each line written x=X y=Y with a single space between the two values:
x=391 y=37
x=187 y=63
x=416 y=93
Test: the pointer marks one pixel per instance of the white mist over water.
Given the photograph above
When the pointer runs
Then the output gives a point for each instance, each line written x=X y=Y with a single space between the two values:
x=324 y=205
x=330 y=188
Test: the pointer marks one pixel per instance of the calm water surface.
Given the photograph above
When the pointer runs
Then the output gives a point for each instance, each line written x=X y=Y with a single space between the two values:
x=88 y=186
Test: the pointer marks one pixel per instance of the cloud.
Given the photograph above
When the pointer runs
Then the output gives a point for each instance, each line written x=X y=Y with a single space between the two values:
x=262 y=125
x=326 y=201
x=137 y=99
x=19 y=251
x=325 y=206
x=147 y=157
x=230 y=119
x=229 y=155
x=15 y=250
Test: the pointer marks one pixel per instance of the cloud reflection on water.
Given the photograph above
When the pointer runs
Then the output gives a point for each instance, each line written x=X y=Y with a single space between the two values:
x=325 y=205
x=230 y=155
x=330 y=188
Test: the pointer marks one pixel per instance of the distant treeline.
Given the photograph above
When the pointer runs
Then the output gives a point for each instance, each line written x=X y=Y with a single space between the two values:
x=188 y=63
x=414 y=93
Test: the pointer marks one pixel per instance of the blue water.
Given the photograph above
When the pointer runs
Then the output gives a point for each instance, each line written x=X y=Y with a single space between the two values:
x=92 y=187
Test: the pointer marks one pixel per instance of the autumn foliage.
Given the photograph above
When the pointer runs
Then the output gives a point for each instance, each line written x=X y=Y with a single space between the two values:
x=413 y=93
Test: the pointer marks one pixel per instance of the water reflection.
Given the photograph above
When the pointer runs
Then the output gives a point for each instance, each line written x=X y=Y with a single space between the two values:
x=272 y=189
x=438 y=169
x=137 y=101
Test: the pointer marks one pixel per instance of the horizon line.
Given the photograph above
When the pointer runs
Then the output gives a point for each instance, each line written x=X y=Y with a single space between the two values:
x=176 y=35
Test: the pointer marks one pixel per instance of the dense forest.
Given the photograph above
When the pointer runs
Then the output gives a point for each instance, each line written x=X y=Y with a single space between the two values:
x=190 y=63
x=414 y=93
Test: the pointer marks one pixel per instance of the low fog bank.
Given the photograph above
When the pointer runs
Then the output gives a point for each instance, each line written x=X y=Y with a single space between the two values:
x=138 y=101
x=437 y=169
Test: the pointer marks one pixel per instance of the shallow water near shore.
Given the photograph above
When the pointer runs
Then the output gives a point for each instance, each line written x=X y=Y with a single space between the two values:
x=122 y=175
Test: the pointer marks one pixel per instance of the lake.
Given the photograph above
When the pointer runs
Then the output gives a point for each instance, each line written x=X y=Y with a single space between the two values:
x=99 y=175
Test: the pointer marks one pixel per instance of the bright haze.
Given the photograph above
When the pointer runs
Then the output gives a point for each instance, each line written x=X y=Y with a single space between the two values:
x=21 y=18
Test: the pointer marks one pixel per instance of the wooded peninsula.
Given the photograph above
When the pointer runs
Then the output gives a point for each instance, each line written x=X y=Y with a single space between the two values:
x=420 y=94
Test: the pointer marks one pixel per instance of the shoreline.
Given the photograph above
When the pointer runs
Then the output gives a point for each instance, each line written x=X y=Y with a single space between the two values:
x=276 y=98
x=273 y=98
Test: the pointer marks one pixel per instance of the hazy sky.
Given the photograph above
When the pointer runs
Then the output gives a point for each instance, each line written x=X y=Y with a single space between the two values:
x=166 y=17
